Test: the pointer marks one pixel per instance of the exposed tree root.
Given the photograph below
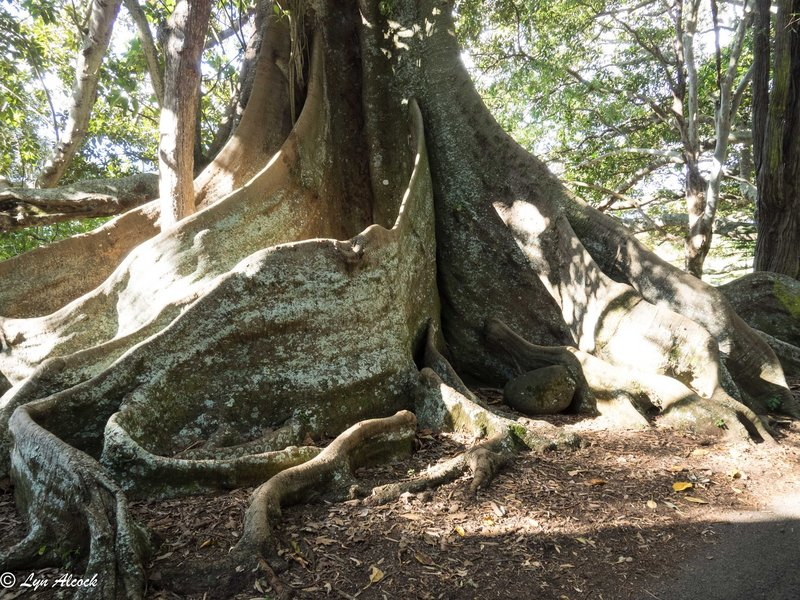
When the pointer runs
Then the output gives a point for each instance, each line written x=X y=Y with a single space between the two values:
x=451 y=406
x=788 y=354
x=752 y=364
x=483 y=461
x=330 y=474
x=649 y=393
x=77 y=513
x=444 y=403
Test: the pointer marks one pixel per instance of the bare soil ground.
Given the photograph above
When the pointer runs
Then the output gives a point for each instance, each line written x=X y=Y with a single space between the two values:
x=605 y=521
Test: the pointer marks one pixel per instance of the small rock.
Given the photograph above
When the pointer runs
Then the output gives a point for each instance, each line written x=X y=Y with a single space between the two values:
x=545 y=391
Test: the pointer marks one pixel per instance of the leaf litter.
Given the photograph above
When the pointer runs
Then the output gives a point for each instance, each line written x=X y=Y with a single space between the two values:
x=601 y=522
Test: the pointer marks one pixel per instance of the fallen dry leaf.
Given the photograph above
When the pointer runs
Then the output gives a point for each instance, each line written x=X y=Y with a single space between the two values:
x=498 y=510
x=324 y=541
x=680 y=486
x=375 y=574
x=412 y=516
x=695 y=500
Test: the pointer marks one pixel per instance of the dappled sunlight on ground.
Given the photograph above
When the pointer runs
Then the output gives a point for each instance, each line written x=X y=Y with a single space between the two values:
x=601 y=522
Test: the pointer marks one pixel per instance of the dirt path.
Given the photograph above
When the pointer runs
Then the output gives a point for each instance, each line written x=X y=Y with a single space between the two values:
x=754 y=557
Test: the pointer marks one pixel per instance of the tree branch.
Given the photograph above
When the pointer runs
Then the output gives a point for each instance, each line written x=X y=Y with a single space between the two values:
x=643 y=172
x=617 y=196
x=657 y=110
x=650 y=49
x=673 y=155
x=217 y=37
x=689 y=31
x=148 y=47
x=28 y=207
x=87 y=73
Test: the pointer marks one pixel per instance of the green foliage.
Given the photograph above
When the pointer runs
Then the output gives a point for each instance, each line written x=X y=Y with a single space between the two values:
x=17 y=242
x=774 y=403
x=589 y=86
x=38 y=44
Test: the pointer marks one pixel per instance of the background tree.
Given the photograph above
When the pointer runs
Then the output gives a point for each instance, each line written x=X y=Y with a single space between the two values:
x=776 y=125
x=100 y=24
x=643 y=97
x=367 y=238
x=179 y=111
x=122 y=136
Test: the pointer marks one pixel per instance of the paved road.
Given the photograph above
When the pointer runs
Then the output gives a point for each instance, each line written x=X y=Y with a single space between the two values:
x=757 y=557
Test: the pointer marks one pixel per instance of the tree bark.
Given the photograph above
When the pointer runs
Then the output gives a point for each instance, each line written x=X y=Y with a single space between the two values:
x=778 y=162
x=26 y=207
x=84 y=90
x=698 y=239
x=183 y=51
x=703 y=192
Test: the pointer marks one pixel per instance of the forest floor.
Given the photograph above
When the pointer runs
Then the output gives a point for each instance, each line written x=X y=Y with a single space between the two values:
x=603 y=522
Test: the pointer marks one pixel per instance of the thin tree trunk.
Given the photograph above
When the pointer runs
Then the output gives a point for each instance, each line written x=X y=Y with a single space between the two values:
x=148 y=48
x=702 y=230
x=84 y=90
x=184 y=48
x=698 y=239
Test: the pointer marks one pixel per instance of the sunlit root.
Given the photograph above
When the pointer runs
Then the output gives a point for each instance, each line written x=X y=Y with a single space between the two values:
x=483 y=461
x=788 y=354
x=330 y=473
x=444 y=407
x=751 y=362
x=630 y=397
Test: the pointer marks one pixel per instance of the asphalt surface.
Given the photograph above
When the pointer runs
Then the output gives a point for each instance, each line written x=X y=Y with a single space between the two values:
x=756 y=557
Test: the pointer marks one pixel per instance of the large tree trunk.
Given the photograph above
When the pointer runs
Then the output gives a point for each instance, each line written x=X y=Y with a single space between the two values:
x=776 y=130
x=320 y=284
